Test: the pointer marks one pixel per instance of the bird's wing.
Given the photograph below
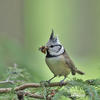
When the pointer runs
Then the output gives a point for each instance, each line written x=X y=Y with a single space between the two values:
x=70 y=63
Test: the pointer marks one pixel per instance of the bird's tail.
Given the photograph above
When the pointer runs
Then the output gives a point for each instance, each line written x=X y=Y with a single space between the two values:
x=80 y=72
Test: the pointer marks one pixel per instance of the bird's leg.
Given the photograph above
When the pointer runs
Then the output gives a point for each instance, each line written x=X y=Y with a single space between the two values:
x=51 y=79
x=62 y=81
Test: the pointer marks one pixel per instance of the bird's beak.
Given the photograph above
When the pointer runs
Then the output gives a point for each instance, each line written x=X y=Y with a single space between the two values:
x=43 y=49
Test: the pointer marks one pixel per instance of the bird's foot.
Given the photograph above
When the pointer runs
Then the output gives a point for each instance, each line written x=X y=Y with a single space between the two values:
x=61 y=82
x=48 y=81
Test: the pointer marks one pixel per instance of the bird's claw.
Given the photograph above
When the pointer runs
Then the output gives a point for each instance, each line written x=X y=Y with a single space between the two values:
x=48 y=82
x=61 y=82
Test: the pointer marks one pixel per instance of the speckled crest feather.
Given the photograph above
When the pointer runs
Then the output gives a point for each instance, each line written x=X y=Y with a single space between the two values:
x=53 y=40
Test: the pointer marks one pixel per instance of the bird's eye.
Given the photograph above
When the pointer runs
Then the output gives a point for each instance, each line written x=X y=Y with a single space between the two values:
x=51 y=46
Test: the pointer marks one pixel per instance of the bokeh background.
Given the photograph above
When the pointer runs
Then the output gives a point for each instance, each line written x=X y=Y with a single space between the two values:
x=25 y=25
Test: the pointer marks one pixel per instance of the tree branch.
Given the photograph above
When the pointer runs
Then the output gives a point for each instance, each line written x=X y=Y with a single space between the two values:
x=5 y=90
x=31 y=85
x=37 y=85
x=33 y=95
x=7 y=81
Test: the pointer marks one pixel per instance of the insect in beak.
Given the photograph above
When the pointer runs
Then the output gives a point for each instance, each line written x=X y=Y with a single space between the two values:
x=43 y=49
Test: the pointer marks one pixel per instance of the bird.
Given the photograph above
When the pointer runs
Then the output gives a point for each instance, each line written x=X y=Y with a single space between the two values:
x=57 y=59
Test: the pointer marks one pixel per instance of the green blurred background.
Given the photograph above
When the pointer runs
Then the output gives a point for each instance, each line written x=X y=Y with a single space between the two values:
x=25 y=25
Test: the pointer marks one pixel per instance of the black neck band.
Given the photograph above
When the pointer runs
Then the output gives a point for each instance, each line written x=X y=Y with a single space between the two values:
x=49 y=55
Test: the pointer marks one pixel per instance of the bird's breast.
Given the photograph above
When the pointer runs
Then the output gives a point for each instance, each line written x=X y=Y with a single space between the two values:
x=58 y=65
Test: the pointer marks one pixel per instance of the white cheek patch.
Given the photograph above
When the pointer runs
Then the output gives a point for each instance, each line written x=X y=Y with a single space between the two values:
x=56 y=51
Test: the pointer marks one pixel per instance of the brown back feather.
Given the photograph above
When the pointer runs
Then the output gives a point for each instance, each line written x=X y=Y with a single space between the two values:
x=71 y=65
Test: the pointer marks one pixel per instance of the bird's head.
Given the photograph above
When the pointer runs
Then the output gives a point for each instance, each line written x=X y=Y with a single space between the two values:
x=53 y=46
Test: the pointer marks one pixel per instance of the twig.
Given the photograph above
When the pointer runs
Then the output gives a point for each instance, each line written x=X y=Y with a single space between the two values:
x=33 y=95
x=37 y=85
x=5 y=90
x=30 y=85
x=7 y=81
x=34 y=85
